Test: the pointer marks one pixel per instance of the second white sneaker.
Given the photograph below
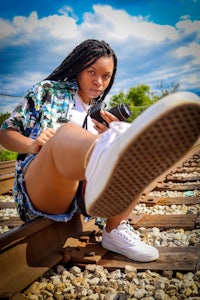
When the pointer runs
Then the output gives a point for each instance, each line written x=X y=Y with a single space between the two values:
x=125 y=241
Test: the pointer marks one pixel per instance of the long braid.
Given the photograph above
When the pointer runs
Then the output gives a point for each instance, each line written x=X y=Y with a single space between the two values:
x=83 y=56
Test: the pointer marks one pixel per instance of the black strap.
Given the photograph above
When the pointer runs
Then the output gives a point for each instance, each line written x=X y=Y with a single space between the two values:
x=21 y=156
x=80 y=197
x=85 y=122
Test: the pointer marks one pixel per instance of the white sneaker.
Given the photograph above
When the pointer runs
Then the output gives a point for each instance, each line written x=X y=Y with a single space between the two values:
x=129 y=159
x=124 y=241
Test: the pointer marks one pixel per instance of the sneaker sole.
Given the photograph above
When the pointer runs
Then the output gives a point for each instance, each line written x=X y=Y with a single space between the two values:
x=165 y=136
x=140 y=257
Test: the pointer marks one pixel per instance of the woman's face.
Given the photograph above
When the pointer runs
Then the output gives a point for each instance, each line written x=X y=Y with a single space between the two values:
x=94 y=80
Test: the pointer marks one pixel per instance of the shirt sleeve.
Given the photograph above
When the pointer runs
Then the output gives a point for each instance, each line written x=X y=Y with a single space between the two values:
x=26 y=114
x=17 y=117
x=41 y=107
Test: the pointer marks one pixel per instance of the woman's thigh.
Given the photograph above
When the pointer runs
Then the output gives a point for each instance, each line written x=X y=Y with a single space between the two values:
x=48 y=190
x=52 y=178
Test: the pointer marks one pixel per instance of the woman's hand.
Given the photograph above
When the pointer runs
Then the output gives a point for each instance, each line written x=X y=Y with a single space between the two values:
x=108 y=117
x=44 y=136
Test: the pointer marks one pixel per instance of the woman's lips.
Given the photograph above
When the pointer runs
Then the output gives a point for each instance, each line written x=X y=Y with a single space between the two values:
x=95 y=92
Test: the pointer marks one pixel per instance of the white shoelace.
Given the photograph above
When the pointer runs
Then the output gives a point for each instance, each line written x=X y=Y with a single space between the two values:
x=127 y=233
x=119 y=127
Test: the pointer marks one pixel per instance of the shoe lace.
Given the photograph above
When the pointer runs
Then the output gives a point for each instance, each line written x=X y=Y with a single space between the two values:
x=126 y=232
x=119 y=127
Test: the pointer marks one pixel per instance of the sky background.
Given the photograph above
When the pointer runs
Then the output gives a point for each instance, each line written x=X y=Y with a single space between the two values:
x=155 y=41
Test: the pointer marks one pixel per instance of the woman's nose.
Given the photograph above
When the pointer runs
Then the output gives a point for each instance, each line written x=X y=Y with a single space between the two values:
x=98 y=81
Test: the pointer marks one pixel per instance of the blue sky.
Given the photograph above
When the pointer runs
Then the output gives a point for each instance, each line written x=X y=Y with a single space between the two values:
x=155 y=41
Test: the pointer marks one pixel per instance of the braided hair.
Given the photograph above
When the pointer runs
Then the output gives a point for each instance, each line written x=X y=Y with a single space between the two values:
x=82 y=57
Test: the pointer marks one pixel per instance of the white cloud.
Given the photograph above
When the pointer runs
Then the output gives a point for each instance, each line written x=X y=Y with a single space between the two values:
x=122 y=25
x=6 y=29
x=116 y=24
x=30 y=29
x=68 y=11
x=27 y=24
x=191 y=50
x=28 y=78
x=188 y=26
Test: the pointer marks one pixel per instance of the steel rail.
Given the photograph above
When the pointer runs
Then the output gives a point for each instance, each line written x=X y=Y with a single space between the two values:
x=7 y=173
x=29 y=251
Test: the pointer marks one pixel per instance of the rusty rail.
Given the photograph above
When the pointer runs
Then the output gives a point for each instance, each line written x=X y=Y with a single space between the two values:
x=30 y=250
x=7 y=173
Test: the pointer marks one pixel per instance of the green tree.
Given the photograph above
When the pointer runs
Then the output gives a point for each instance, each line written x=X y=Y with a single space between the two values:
x=117 y=99
x=166 y=89
x=3 y=116
x=140 y=97
x=137 y=98
x=4 y=153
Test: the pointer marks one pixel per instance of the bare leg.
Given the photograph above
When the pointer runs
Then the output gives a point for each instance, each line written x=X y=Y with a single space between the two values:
x=113 y=222
x=52 y=177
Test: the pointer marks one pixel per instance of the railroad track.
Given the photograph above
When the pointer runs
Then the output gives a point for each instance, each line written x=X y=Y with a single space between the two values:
x=29 y=250
x=7 y=173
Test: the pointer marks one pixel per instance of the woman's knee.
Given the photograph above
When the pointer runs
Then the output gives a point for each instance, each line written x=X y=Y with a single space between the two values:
x=69 y=147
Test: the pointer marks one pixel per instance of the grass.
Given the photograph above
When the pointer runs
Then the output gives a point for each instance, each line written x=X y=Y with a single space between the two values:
x=6 y=155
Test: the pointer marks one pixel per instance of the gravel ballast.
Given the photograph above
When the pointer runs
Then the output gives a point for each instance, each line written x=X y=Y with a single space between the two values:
x=96 y=282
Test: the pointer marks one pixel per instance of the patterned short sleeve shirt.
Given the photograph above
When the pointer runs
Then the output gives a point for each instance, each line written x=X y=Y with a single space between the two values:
x=44 y=105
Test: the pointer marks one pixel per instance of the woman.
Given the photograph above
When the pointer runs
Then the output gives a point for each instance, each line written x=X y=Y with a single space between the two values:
x=61 y=147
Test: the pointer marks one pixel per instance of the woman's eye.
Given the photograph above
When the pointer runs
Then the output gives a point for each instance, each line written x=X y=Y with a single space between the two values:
x=107 y=76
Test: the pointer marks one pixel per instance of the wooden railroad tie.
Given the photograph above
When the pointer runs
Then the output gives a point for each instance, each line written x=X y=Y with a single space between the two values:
x=86 y=249
x=173 y=258
x=156 y=200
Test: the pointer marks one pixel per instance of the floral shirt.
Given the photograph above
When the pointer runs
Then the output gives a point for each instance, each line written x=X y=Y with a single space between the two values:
x=46 y=104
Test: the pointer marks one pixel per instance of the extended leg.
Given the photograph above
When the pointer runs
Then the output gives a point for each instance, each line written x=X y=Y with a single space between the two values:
x=52 y=177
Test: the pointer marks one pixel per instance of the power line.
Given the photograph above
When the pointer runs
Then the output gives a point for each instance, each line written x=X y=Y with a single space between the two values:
x=10 y=95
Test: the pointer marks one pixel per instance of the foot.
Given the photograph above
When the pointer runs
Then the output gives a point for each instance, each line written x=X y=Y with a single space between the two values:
x=129 y=159
x=124 y=241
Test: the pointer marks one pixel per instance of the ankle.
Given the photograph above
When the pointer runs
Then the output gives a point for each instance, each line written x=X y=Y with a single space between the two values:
x=108 y=229
x=113 y=223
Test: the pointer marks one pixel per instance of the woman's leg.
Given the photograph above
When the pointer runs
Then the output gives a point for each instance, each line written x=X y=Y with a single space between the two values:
x=113 y=222
x=52 y=177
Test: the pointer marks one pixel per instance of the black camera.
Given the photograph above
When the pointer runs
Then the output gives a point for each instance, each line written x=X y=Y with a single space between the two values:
x=121 y=111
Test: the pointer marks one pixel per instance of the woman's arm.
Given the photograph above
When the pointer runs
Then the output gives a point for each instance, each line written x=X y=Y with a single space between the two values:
x=12 y=140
